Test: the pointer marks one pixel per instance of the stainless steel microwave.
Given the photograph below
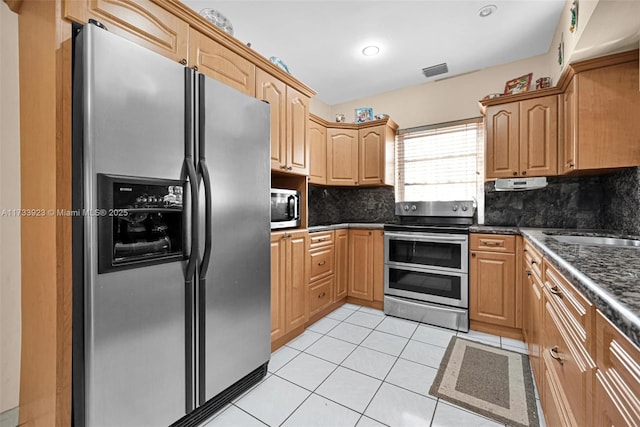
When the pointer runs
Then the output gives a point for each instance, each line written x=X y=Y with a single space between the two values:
x=285 y=208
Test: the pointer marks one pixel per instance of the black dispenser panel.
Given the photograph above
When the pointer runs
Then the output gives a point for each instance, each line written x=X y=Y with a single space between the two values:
x=140 y=222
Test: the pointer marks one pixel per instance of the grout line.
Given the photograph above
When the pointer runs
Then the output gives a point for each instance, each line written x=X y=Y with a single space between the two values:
x=251 y=415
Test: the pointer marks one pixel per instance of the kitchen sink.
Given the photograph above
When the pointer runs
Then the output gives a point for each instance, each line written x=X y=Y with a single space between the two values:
x=596 y=240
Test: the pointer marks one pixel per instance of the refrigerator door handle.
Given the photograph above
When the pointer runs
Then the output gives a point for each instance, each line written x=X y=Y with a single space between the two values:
x=193 y=185
x=206 y=178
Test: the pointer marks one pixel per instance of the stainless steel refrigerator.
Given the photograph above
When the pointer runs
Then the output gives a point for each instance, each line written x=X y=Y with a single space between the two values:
x=171 y=276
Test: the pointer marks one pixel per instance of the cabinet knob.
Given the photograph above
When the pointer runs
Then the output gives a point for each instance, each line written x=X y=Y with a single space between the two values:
x=473 y=254
x=289 y=168
x=183 y=61
x=195 y=68
x=283 y=167
x=571 y=165
x=533 y=261
x=515 y=173
x=369 y=233
x=524 y=172
x=528 y=272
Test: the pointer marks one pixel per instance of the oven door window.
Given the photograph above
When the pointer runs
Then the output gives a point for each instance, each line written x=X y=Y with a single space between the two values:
x=435 y=254
x=426 y=283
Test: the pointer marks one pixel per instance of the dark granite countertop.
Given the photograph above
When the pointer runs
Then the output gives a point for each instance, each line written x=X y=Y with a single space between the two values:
x=608 y=276
x=494 y=229
x=372 y=225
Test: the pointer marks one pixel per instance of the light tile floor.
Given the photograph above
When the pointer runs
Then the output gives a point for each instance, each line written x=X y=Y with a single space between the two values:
x=357 y=367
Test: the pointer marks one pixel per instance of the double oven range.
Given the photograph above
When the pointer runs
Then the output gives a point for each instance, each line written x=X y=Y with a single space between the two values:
x=426 y=263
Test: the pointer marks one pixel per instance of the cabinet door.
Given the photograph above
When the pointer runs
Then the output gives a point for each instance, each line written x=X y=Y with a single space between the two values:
x=297 y=280
x=297 y=132
x=317 y=153
x=371 y=146
x=502 y=155
x=342 y=263
x=342 y=156
x=142 y=21
x=492 y=288
x=378 y=265
x=539 y=136
x=272 y=90
x=617 y=388
x=532 y=326
x=321 y=294
x=361 y=264
x=278 y=277
x=568 y=154
x=220 y=63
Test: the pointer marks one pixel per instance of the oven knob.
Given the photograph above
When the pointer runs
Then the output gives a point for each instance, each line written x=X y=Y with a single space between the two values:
x=465 y=207
x=455 y=208
x=406 y=207
x=414 y=207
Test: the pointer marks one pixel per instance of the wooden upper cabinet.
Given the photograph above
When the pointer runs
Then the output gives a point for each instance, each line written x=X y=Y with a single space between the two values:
x=342 y=156
x=272 y=90
x=371 y=144
x=567 y=156
x=522 y=138
x=317 y=153
x=297 y=132
x=539 y=136
x=602 y=129
x=220 y=63
x=502 y=145
x=142 y=21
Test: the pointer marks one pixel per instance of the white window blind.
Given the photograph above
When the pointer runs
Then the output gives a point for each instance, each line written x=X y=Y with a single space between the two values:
x=441 y=162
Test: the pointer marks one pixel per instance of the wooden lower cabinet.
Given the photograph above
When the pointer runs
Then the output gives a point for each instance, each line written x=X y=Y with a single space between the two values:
x=617 y=382
x=532 y=301
x=361 y=264
x=342 y=263
x=289 y=282
x=378 y=265
x=321 y=294
x=495 y=300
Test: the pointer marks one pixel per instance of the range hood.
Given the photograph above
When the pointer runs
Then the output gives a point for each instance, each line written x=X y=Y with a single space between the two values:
x=520 y=184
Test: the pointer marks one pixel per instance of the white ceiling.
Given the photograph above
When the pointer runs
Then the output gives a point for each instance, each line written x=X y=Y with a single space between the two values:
x=321 y=41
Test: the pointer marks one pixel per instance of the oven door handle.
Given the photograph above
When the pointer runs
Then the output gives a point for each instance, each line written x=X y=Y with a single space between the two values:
x=414 y=237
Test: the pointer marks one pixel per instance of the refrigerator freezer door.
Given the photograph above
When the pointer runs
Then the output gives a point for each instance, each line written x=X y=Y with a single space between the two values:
x=235 y=294
x=134 y=125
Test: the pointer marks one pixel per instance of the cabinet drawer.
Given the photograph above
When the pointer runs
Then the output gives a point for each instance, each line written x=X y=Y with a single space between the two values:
x=321 y=263
x=322 y=238
x=532 y=259
x=570 y=365
x=576 y=311
x=618 y=377
x=321 y=295
x=493 y=243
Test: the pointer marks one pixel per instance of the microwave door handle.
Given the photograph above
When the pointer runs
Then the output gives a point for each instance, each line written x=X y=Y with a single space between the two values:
x=291 y=202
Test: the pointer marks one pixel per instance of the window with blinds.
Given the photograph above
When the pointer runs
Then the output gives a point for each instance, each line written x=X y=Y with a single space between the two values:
x=441 y=162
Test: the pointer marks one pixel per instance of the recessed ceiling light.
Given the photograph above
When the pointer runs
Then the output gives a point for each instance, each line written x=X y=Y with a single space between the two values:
x=371 y=51
x=487 y=10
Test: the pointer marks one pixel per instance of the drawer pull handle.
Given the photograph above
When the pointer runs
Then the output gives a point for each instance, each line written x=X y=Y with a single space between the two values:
x=322 y=240
x=525 y=250
x=528 y=272
x=553 y=351
x=534 y=262
x=490 y=243
x=322 y=263
x=554 y=290
x=322 y=294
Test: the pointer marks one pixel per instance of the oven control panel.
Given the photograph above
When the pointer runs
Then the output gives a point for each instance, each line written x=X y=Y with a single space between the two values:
x=457 y=208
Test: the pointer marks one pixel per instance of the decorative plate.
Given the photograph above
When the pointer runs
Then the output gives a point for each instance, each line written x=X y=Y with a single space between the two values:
x=279 y=63
x=217 y=19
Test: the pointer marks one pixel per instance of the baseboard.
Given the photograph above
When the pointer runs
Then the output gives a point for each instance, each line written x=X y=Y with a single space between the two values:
x=503 y=331
x=9 y=418
x=277 y=343
x=372 y=304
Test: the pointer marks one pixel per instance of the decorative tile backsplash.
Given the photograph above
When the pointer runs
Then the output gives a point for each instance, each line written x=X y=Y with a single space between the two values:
x=334 y=205
x=609 y=202
x=599 y=202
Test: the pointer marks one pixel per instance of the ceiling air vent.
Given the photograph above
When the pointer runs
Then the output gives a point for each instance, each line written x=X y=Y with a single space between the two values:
x=434 y=70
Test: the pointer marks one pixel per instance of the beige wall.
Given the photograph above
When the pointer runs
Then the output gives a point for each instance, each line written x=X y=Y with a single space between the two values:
x=9 y=199
x=446 y=100
x=321 y=109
